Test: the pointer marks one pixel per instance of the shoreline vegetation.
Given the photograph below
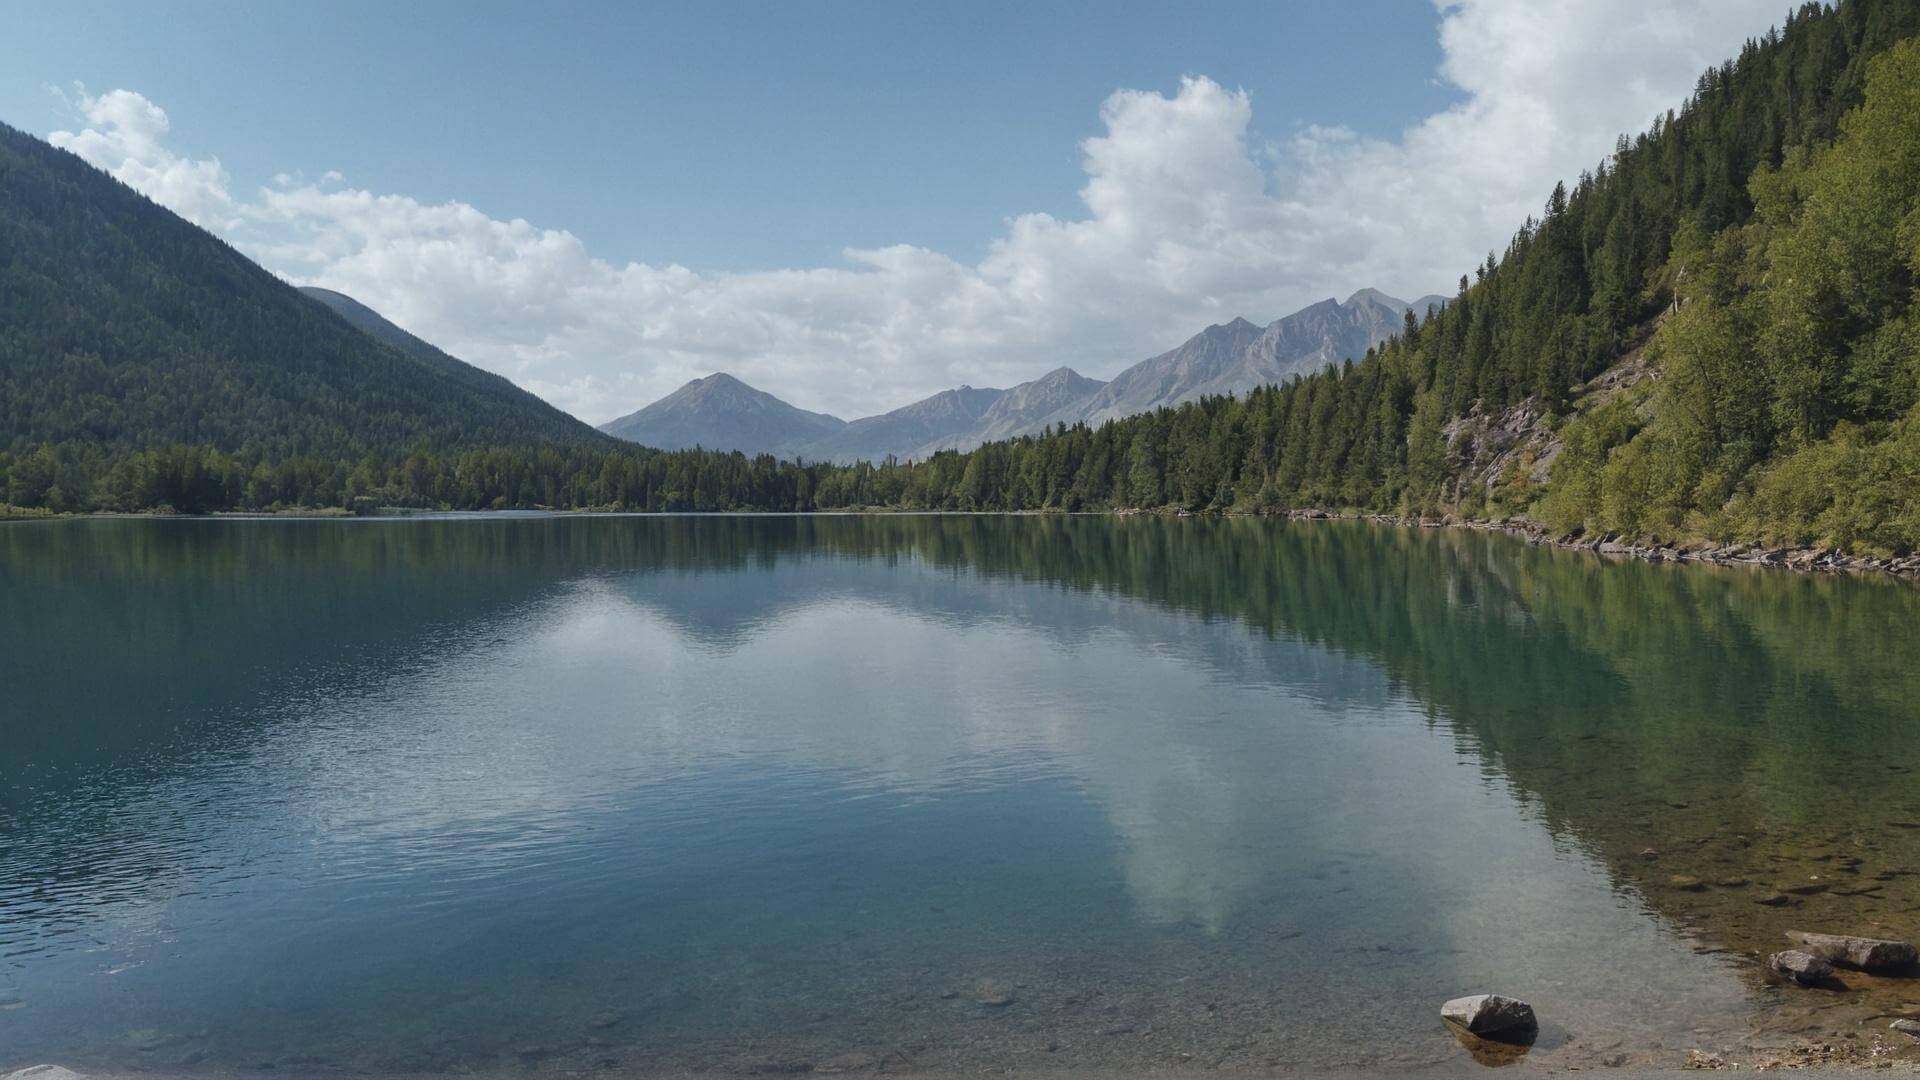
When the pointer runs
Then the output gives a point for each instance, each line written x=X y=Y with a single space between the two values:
x=1755 y=555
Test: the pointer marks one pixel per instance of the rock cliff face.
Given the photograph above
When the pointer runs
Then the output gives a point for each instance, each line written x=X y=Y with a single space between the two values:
x=1496 y=454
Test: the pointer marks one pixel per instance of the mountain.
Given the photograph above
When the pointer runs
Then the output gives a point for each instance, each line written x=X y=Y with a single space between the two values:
x=1235 y=357
x=373 y=324
x=720 y=412
x=1027 y=407
x=958 y=419
x=1232 y=358
x=1326 y=333
x=1204 y=359
x=1690 y=377
x=949 y=414
x=1734 y=367
x=128 y=328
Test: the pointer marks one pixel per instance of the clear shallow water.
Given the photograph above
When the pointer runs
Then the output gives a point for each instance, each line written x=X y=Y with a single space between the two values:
x=730 y=792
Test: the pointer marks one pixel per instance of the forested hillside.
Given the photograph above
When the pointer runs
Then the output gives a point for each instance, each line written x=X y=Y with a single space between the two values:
x=130 y=339
x=1762 y=241
x=1753 y=255
x=374 y=325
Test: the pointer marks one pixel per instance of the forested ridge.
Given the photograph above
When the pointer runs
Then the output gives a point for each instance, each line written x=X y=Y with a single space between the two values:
x=136 y=348
x=1756 y=251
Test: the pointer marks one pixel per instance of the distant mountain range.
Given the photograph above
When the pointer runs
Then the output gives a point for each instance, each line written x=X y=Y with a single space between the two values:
x=721 y=412
x=130 y=328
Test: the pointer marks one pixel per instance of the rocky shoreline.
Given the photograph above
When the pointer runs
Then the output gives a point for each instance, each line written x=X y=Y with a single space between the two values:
x=1805 y=560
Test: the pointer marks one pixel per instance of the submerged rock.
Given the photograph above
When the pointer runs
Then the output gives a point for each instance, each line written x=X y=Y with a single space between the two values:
x=1492 y=1016
x=993 y=993
x=1867 y=954
x=44 y=1072
x=150 y=1039
x=1909 y=1028
x=1804 y=968
x=1686 y=883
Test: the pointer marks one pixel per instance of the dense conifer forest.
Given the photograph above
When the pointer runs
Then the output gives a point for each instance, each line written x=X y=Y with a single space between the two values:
x=1754 y=255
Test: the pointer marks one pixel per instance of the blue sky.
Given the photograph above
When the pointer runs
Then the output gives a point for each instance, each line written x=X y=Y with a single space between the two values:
x=722 y=136
x=851 y=205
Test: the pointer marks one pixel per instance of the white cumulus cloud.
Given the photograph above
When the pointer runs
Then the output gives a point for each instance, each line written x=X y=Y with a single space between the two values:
x=126 y=139
x=1188 y=219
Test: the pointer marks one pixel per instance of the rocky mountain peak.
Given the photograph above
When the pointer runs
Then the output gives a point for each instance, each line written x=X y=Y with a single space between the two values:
x=1375 y=296
x=1225 y=358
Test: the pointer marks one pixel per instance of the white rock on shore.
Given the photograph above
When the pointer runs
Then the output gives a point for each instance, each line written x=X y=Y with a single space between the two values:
x=44 y=1072
x=1492 y=1016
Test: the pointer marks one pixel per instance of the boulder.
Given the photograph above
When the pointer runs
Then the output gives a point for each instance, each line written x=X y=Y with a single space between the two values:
x=1492 y=1016
x=1867 y=954
x=1804 y=968
x=1909 y=1028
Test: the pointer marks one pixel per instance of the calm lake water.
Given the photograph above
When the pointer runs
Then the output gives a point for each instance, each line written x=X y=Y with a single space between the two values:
x=750 y=792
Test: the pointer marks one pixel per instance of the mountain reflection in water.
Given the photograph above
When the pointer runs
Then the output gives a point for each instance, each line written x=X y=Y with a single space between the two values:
x=691 y=792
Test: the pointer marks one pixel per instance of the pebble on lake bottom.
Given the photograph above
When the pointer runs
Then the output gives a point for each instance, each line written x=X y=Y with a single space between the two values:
x=993 y=993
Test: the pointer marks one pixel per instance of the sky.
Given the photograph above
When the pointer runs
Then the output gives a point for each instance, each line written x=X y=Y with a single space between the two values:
x=851 y=205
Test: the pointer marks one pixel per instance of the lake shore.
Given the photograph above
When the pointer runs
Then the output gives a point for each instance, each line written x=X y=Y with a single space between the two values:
x=1450 y=1071
x=1746 y=554
x=1804 y=560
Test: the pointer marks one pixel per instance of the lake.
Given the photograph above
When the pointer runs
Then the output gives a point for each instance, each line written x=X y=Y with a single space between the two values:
x=739 y=793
